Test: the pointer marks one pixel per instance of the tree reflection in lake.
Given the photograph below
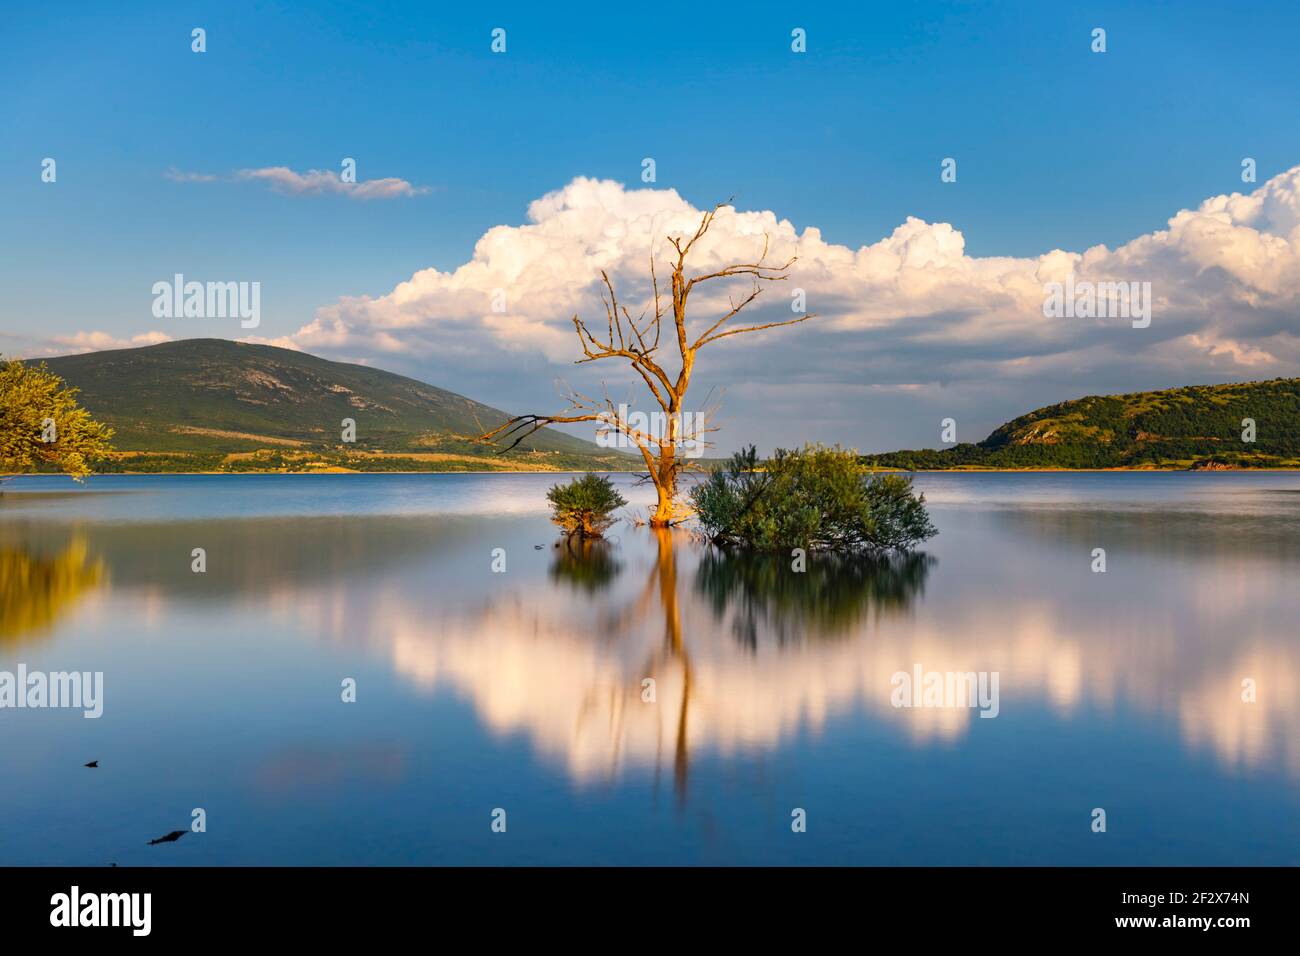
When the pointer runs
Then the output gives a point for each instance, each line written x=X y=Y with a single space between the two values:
x=764 y=598
x=772 y=687
x=587 y=564
x=37 y=589
x=828 y=598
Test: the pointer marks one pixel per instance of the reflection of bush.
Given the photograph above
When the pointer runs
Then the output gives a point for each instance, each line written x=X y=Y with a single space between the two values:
x=587 y=564
x=35 y=591
x=827 y=599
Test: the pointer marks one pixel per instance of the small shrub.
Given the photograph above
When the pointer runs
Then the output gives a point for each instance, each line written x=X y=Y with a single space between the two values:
x=584 y=507
x=815 y=498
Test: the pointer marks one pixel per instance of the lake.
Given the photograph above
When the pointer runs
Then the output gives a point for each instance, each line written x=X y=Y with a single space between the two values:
x=649 y=701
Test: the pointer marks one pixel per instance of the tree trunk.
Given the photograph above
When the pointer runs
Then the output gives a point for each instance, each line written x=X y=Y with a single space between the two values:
x=665 y=479
x=663 y=513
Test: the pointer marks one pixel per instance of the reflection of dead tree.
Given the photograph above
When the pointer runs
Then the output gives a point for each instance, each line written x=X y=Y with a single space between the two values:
x=666 y=567
x=663 y=578
x=636 y=341
x=660 y=589
x=659 y=595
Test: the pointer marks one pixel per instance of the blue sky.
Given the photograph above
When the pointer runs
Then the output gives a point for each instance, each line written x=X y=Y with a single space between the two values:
x=1057 y=148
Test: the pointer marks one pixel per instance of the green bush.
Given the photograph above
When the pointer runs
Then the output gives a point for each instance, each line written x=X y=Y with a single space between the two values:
x=585 y=505
x=816 y=498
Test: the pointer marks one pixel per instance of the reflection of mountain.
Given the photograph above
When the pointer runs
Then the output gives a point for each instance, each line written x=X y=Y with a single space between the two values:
x=829 y=598
x=249 y=556
x=35 y=590
x=1181 y=532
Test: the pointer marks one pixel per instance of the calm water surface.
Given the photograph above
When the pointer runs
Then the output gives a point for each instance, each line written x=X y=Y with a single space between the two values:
x=523 y=690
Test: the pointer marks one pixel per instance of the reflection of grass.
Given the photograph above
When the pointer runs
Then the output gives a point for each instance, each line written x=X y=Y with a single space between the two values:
x=35 y=591
x=827 y=599
x=586 y=563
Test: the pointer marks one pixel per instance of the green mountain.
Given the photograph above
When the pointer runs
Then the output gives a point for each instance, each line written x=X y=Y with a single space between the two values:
x=1199 y=426
x=213 y=404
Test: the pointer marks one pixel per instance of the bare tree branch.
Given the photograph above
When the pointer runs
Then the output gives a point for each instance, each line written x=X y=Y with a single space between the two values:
x=662 y=447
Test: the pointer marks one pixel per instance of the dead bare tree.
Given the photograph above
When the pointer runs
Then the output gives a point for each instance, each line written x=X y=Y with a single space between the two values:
x=637 y=342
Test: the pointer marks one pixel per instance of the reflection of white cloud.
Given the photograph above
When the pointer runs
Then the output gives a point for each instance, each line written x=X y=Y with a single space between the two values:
x=580 y=701
x=556 y=667
x=1213 y=715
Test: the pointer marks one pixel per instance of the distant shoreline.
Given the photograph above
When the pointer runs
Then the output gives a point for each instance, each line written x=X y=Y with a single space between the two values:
x=920 y=471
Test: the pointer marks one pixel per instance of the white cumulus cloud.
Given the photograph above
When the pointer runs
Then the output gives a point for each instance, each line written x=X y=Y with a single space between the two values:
x=313 y=182
x=912 y=307
x=98 y=341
